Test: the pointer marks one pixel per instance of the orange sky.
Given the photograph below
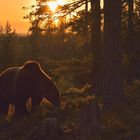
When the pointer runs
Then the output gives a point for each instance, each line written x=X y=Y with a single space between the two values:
x=11 y=11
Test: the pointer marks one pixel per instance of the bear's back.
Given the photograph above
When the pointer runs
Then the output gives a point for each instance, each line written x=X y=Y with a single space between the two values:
x=8 y=81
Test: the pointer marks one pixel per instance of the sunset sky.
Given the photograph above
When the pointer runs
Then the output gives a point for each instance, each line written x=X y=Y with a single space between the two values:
x=12 y=11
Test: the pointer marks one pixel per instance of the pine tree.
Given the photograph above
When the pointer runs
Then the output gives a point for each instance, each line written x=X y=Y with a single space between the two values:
x=113 y=89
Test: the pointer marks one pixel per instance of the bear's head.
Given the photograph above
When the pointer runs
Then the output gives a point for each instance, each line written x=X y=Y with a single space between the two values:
x=51 y=93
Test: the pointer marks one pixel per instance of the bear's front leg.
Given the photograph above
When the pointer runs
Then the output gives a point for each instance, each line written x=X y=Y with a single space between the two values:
x=20 y=107
x=36 y=102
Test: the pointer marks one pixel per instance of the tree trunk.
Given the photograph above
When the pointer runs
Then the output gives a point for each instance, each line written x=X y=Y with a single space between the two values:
x=86 y=17
x=96 y=47
x=86 y=21
x=112 y=53
x=130 y=16
x=130 y=46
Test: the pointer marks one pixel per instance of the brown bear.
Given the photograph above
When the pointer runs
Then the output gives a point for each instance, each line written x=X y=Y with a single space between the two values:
x=18 y=84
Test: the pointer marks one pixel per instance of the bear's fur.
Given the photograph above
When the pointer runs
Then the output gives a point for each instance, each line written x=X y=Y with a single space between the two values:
x=18 y=84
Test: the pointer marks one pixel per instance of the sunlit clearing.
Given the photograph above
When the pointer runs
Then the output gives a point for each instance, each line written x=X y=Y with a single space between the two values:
x=52 y=5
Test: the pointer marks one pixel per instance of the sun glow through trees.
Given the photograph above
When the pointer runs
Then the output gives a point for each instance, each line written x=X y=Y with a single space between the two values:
x=54 y=4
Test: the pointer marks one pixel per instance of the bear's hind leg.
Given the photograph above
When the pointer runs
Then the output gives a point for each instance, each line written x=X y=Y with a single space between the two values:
x=4 y=105
x=20 y=107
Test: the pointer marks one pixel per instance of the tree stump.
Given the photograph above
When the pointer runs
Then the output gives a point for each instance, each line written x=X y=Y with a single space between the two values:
x=50 y=129
x=89 y=121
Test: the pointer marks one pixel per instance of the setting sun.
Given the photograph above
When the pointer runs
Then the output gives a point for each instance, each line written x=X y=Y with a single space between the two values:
x=54 y=4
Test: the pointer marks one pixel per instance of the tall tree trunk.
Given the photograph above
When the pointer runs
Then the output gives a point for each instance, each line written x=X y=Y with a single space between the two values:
x=86 y=12
x=112 y=53
x=130 y=26
x=96 y=46
x=86 y=6
x=86 y=21
x=130 y=16
x=130 y=45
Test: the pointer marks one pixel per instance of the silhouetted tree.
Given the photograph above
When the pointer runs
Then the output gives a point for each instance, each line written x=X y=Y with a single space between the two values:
x=113 y=84
x=131 y=36
x=96 y=46
x=130 y=18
